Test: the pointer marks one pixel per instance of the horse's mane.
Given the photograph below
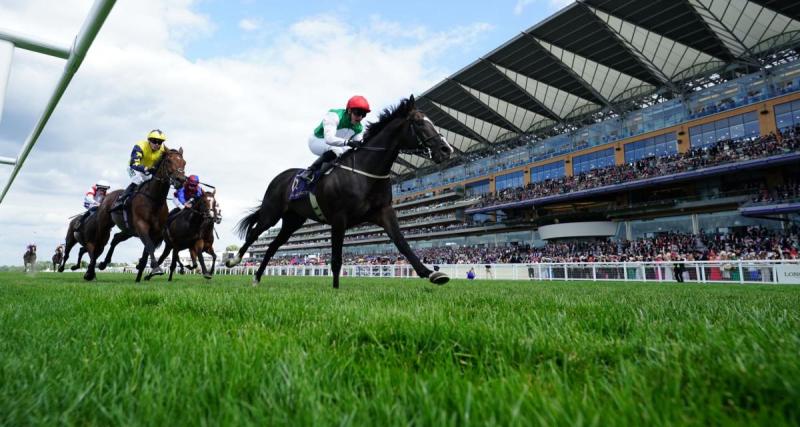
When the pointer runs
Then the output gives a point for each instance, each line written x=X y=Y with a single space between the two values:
x=403 y=109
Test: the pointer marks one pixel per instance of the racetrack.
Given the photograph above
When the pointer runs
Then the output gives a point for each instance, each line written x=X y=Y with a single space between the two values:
x=395 y=352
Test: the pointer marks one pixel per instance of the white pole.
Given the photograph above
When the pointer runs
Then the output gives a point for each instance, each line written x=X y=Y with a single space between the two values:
x=87 y=34
x=34 y=45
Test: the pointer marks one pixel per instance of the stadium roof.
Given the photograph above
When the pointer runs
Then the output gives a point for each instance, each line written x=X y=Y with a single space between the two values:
x=596 y=58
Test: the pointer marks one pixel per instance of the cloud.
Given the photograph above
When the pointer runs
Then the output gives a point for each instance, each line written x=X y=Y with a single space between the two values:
x=550 y=4
x=250 y=24
x=241 y=118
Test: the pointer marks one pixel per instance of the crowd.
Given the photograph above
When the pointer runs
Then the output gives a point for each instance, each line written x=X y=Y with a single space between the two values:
x=752 y=243
x=721 y=152
x=787 y=191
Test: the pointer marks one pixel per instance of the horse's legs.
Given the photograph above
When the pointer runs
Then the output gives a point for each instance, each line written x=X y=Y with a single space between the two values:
x=91 y=249
x=118 y=238
x=291 y=222
x=67 y=248
x=81 y=253
x=213 y=254
x=337 y=241
x=197 y=252
x=140 y=265
x=172 y=263
x=388 y=220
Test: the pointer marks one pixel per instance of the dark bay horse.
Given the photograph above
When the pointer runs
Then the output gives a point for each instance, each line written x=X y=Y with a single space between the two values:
x=75 y=236
x=148 y=209
x=193 y=229
x=358 y=190
x=29 y=259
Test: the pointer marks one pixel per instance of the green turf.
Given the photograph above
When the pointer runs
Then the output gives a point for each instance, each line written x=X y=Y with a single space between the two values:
x=395 y=352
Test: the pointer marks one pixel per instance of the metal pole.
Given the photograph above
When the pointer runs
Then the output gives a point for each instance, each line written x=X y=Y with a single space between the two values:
x=7 y=161
x=34 y=45
x=87 y=34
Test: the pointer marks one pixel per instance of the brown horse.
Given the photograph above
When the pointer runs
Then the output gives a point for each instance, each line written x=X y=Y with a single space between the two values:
x=358 y=190
x=29 y=259
x=148 y=214
x=193 y=229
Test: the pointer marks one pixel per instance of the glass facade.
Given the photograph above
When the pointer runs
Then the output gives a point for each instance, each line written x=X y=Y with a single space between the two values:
x=787 y=115
x=476 y=188
x=587 y=162
x=659 y=146
x=743 y=125
x=511 y=180
x=553 y=170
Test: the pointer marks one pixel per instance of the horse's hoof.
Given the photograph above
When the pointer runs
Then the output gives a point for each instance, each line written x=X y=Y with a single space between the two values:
x=89 y=276
x=61 y=269
x=233 y=262
x=207 y=276
x=255 y=282
x=156 y=272
x=438 y=278
x=181 y=271
x=75 y=267
x=147 y=278
x=101 y=266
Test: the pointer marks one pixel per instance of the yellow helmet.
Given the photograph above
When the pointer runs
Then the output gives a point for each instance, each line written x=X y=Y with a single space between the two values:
x=156 y=134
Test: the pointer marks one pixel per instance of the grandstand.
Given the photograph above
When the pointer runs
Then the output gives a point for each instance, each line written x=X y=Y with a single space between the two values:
x=610 y=124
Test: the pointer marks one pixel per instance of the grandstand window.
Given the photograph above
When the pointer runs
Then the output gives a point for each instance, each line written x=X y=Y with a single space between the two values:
x=787 y=115
x=659 y=146
x=651 y=227
x=511 y=180
x=553 y=170
x=742 y=125
x=587 y=162
x=476 y=188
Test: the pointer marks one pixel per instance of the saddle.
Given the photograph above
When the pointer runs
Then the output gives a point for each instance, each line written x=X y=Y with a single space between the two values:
x=301 y=188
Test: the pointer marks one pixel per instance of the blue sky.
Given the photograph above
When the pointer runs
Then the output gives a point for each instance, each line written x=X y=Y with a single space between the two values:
x=504 y=19
x=239 y=85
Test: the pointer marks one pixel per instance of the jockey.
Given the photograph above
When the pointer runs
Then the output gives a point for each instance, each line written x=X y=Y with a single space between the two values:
x=185 y=195
x=31 y=247
x=144 y=157
x=95 y=195
x=339 y=131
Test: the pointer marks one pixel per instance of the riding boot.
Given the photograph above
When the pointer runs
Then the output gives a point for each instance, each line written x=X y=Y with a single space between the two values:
x=120 y=202
x=309 y=174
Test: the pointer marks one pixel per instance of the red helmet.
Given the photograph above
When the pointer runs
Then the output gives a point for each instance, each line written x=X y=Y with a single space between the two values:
x=192 y=181
x=358 y=101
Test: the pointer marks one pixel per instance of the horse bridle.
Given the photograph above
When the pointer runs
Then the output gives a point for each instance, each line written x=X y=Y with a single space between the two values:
x=422 y=144
x=172 y=180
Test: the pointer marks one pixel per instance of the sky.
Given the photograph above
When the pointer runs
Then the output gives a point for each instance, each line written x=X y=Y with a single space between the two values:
x=238 y=84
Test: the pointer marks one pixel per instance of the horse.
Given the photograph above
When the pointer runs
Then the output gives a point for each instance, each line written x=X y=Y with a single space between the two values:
x=58 y=256
x=193 y=229
x=357 y=190
x=29 y=259
x=75 y=233
x=148 y=214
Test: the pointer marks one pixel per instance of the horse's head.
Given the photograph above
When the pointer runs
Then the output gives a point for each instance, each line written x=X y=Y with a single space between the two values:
x=209 y=207
x=422 y=138
x=171 y=167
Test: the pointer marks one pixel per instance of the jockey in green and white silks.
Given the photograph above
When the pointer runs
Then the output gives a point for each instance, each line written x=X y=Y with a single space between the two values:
x=339 y=131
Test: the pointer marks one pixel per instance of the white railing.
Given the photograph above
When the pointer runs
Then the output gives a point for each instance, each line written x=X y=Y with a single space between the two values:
x=781 y=271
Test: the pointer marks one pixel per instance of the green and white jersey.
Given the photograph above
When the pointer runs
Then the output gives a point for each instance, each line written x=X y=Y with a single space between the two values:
x=336 y=128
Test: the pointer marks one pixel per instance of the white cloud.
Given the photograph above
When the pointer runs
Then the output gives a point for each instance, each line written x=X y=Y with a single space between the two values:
x=250 y=24
x=550 y=4
x=240 y=119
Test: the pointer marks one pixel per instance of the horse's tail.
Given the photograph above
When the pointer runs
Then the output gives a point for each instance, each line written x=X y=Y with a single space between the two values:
x=248 y=222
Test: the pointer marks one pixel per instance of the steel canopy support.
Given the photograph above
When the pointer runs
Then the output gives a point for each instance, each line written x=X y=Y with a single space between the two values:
x=94 y=21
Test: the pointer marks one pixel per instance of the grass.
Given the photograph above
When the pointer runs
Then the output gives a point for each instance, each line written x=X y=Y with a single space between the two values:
x=395 y=352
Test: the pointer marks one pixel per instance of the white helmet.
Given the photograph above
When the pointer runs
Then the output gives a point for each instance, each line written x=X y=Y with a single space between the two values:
x=103 y=184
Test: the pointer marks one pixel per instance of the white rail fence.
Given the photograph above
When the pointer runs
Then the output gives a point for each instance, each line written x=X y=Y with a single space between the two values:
x=782 y=271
